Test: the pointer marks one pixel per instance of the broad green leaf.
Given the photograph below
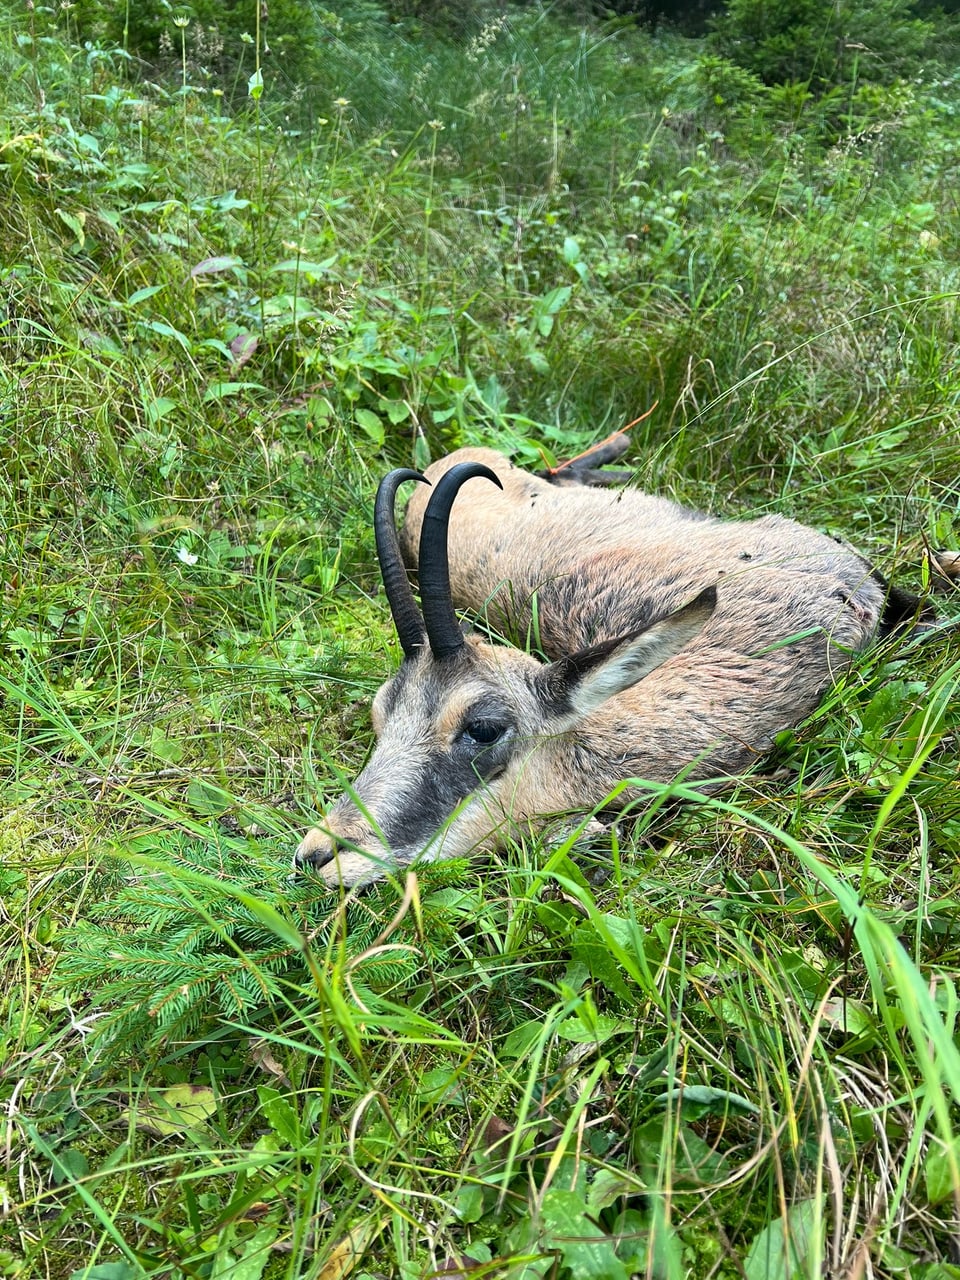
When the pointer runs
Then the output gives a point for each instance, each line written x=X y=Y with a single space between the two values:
x=368 y=421
x=224 y=1264
x=206 y=798
x=421 y=453
x=555 y=300
x=783 y=1249
x=705 y=1100
x=494 y=395
x=190 y=1103
x=940 y=1172
x=923 y=212
x=608 y=1187
x=167 y=331
x=214 y=266
x=183 y=1108
x=165 y=748
x=226 y=202
x=255 y=1253
x=440 y=1085
x=596 y=1030
x=221 y=390
x=694 y=1161
x=141 y=295
x=602 y=964
x=469 y=1203
x=848 y=1017
x=521 y=1039
x=585 y=1249
x=571 y=250
x=75 y=222
x=69 y=1164
x=158 y=407
x=397 y=410
x=281 y=1115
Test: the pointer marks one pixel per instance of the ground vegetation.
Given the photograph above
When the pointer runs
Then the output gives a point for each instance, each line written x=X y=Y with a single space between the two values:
x=241 y=275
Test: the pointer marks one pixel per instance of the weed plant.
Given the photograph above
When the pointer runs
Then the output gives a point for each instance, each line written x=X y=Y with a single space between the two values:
x=715 y=1042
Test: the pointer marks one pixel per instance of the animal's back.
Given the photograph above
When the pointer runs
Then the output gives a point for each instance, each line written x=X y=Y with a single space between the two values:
x=569 y=566
x=679 y=645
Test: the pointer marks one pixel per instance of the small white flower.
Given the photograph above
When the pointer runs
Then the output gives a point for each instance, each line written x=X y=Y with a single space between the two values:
x=185 y=556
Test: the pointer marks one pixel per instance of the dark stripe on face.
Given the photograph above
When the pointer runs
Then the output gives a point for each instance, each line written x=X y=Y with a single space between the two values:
x=441 y=784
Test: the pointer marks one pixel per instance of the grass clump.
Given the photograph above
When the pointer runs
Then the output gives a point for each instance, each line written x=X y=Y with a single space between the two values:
x=716 y=1046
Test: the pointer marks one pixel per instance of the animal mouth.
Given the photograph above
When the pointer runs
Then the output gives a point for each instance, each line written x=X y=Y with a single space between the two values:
x=320 y=848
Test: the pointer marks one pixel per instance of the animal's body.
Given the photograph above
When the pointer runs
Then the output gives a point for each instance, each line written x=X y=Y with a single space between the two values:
x=675 y=643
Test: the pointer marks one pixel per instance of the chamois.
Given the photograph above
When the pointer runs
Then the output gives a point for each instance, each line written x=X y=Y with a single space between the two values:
x=673 y=643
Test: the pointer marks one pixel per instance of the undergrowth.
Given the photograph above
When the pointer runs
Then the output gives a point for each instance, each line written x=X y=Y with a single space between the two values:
x=720 y=1043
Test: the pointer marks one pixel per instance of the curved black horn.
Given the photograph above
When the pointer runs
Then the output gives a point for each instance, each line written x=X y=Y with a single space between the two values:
x=443 y=630
x=403 y=607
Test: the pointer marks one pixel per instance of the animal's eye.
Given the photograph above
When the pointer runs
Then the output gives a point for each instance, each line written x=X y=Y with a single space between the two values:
x=484 y=731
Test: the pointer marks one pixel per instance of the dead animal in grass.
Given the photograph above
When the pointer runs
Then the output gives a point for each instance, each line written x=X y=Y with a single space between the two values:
x=674 y=642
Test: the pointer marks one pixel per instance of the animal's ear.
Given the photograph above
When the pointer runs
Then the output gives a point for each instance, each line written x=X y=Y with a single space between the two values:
x=578 y=684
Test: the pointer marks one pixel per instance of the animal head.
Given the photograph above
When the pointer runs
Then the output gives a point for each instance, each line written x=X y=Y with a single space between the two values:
x=471 y=735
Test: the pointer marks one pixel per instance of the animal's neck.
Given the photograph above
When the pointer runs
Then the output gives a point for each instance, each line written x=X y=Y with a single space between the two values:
x=562 y=613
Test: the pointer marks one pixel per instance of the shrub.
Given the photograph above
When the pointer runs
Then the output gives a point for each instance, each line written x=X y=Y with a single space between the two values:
x=217 y=35
x=823 y=43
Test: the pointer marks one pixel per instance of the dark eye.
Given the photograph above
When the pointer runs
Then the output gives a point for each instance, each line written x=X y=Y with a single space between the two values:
x=484 y=731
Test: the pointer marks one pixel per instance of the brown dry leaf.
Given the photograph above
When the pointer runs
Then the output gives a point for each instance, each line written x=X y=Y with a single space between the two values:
x=242 y=348
x=948 y=562
x=254 y=1212
x=264 y=1059
x=495 y=1132
x=346 y=1253
x=458 y=1265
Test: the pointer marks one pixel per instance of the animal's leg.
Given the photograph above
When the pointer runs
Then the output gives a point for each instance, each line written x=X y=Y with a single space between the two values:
x=584 y=468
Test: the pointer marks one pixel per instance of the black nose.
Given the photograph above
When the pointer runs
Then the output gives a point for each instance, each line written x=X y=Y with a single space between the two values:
x=318 y=857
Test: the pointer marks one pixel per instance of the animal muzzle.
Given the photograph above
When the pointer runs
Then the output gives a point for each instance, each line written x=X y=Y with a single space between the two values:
x=340 y=859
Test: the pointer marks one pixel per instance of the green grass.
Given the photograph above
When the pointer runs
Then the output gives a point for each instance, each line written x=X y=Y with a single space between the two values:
x=716 y=1041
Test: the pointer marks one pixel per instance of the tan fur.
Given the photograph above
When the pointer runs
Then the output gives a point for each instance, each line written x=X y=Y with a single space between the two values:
x=534 y=534
x=567 y=568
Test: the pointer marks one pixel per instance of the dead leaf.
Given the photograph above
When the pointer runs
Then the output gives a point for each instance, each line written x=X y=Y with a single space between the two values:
x=495 y=1132
x=948 y=563
x=346 y=1253
x=254 y=1212
x=264 y=1059
x=459 y=1265
x=242 y=348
